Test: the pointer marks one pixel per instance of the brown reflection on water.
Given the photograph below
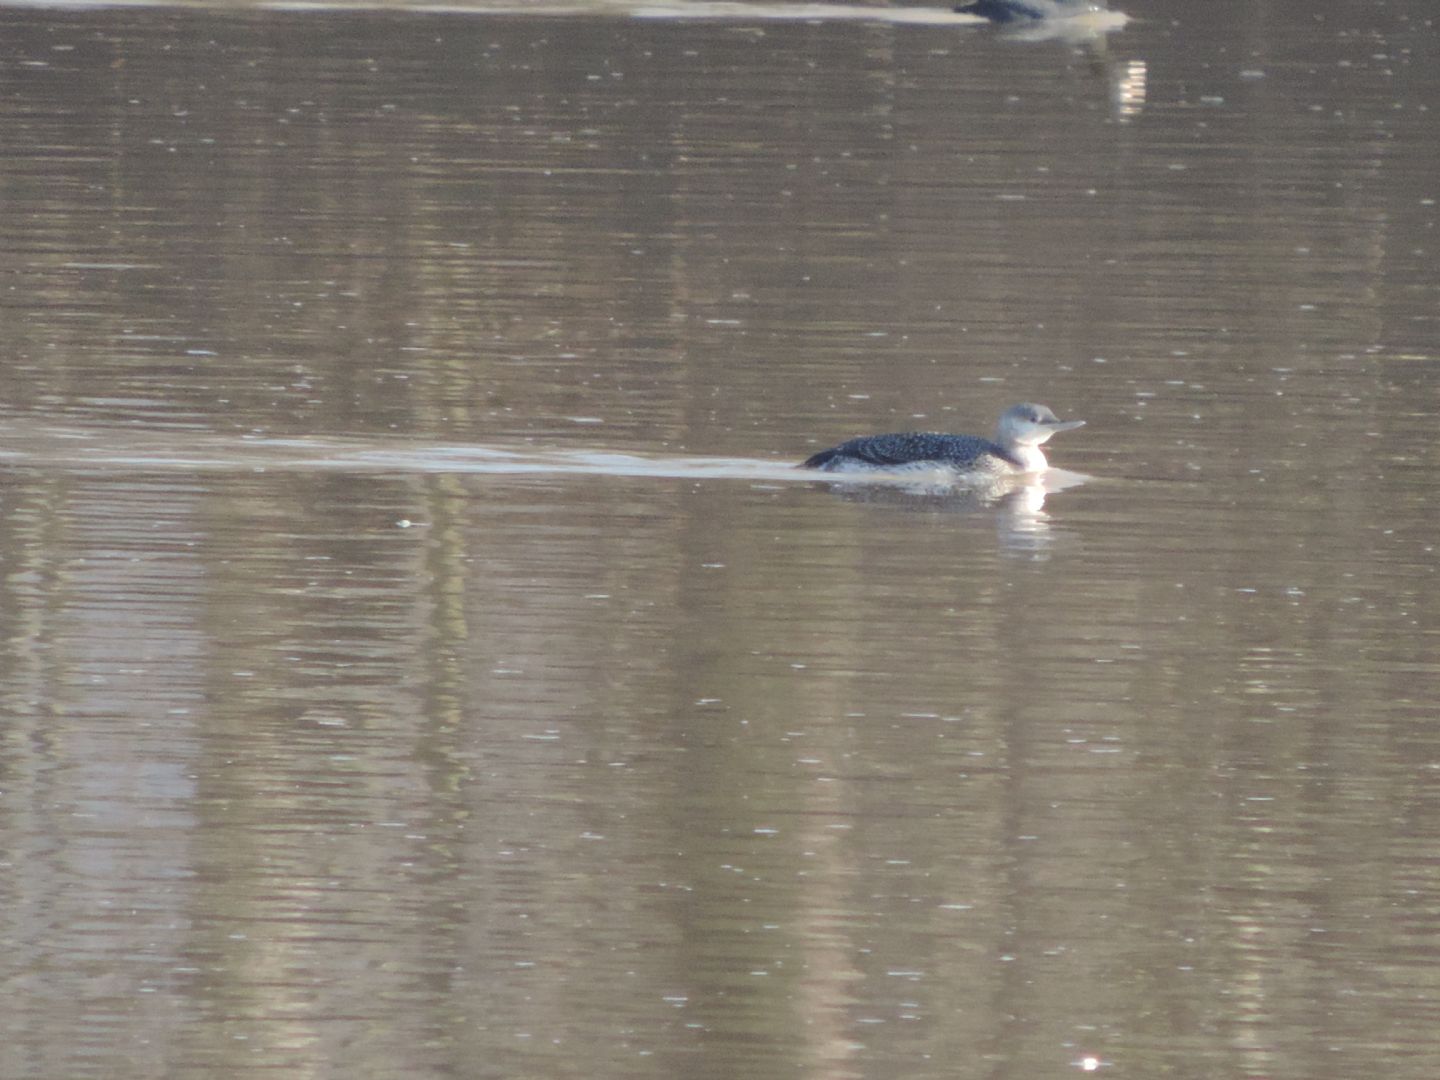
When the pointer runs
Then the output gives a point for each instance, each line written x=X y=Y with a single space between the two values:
x=660 y=768
x=335 y=743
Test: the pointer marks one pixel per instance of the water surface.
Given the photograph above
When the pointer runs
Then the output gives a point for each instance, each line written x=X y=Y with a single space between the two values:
x=418 y=656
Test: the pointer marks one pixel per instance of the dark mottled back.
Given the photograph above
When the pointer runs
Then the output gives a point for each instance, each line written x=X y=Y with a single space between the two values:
x=908 y=448
x=1010 y=10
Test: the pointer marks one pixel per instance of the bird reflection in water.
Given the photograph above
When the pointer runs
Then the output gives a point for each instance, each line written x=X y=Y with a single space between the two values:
x=1016 y=504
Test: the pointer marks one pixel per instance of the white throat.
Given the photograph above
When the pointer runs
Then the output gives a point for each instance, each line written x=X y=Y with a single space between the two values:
x=1030 y=457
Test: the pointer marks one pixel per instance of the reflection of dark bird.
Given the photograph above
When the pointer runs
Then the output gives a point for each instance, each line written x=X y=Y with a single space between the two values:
x=1002 y=11
x=1014 y=451
x=942 y=498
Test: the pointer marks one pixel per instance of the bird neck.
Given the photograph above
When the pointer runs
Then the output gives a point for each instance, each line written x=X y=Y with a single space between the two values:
x=1029 y=456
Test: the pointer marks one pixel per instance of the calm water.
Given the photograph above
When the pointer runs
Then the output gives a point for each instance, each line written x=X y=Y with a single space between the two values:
x=418 y=660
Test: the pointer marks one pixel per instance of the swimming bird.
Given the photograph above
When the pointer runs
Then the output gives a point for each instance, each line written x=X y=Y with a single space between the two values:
x=1014 y=451
x=1002 y=11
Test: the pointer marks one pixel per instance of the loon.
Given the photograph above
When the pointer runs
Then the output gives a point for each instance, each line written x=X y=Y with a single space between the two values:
x=1003 y=11
x=1014 y=451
